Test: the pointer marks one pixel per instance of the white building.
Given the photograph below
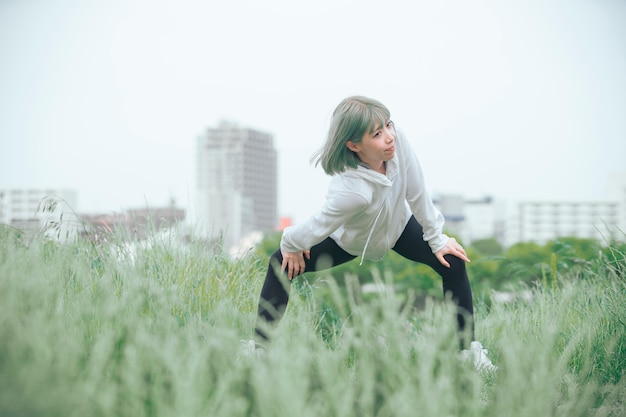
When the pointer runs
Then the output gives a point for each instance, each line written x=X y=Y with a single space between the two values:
x=32 y=209
x=236 y=183
x=616 y=191
x=542 y=221
x=471 y=219
x=538 y=221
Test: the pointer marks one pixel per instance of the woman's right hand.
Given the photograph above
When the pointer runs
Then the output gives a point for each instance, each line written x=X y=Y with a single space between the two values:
x=293 y=262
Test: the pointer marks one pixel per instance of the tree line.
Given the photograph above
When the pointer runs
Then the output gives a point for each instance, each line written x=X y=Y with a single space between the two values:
x=492 y=266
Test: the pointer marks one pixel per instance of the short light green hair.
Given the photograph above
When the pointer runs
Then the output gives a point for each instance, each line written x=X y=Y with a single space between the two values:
x=354 y=117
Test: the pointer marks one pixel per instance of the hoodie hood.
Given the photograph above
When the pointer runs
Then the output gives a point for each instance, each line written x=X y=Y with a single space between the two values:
x=368 y=174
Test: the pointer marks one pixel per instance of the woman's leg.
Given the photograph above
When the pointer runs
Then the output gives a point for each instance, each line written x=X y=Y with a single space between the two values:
x=275 y=292
x=411 y=245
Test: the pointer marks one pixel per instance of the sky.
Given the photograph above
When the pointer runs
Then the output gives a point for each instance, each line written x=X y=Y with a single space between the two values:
x=519 y=100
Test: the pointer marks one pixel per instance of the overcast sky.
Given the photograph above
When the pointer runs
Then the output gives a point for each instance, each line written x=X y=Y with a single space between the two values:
x=520 y=100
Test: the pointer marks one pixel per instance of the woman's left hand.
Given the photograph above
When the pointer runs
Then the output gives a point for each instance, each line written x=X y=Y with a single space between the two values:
x=451 y=248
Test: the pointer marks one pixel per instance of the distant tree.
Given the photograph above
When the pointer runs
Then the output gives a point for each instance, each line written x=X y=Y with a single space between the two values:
x=530 y=262
x=491 y=266
x=482 y=270
x=488 y=247
x=575 y=250
x=523 y=262
x=615 y=255
x=269 y=244
x=410 y=276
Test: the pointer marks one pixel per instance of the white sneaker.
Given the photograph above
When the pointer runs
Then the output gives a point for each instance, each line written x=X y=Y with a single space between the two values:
x=478 y=355
x=249 y=348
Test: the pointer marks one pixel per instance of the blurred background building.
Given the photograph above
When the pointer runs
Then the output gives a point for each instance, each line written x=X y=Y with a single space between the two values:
x=237 y=189
x=537 y=221
x=237 y=183
x=540 y=222
x=472 y=219
x=33 y=209
x=137 y=223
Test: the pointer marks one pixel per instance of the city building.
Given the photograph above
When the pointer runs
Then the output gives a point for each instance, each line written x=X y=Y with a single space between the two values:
x=536 y=221
x=471 y=219
x=541 y=222
x=236 y=183
x=135 y=223
x=616 y=191
x=34 y=209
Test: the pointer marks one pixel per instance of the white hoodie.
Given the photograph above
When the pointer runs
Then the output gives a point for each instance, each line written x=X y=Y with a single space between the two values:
x=366 y=212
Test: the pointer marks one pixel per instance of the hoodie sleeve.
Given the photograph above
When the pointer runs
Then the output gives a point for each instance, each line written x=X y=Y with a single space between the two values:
x=340 y=205
x=420 y=202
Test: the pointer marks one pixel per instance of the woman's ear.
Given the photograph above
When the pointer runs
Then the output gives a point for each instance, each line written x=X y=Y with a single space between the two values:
x=352 y=146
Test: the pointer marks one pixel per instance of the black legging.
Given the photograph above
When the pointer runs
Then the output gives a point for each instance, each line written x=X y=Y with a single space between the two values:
x=411 y=245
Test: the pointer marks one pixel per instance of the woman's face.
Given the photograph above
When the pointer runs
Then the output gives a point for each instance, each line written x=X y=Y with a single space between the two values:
x=376 y=146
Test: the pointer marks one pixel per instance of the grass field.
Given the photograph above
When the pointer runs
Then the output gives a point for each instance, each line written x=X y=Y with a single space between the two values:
x=156 y=330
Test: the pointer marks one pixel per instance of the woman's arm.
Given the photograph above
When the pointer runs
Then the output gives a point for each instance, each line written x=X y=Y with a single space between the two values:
x=419 y=199
x=297 y=240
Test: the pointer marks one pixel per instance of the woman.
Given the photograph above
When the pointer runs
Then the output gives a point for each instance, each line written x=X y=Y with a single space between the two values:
x=377 y=201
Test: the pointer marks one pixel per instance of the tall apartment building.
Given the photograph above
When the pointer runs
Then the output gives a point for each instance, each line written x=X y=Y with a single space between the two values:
x=236 y=183
x=21 y=208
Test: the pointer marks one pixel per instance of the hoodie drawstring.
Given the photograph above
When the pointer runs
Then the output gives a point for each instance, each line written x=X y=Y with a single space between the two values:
x=371 y=231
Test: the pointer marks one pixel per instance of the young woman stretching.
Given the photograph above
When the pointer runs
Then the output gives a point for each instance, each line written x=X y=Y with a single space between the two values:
x=377 y=200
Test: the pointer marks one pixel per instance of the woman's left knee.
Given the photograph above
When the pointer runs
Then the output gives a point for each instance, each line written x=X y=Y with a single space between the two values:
x=455 y=263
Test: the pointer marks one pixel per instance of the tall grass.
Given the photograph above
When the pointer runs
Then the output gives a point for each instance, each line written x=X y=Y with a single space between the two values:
x=156 y=330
